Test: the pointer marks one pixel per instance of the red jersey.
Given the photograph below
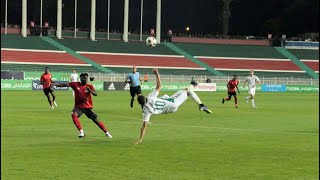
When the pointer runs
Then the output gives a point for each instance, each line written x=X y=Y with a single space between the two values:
x=232 y=84
x=82 y=97
x=46 y=78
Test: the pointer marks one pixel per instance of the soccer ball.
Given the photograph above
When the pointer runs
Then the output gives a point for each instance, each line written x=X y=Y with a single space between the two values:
x=151 y=41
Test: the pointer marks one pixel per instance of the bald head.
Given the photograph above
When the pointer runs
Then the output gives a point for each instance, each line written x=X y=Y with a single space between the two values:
x=251 y=72
x=134 y=69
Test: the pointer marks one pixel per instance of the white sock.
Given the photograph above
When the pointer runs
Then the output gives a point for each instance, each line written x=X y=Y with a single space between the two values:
x=81 y=131
x=194 y=96
x=252 y=102
x=248 y=97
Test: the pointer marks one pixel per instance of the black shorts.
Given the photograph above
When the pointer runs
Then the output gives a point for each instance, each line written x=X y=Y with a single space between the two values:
x=231 y=94
x=47 y=90
x=135 y=90
x=88 y=112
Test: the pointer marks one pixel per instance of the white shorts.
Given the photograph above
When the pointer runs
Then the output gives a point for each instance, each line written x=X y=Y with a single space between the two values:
x=252 y=91
x=178 y=98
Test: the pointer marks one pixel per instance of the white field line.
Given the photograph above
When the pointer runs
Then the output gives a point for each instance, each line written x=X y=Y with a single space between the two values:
x=174 y=125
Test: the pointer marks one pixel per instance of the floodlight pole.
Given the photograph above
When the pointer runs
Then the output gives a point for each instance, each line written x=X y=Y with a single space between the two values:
x=93 y=20
x=41 y=3
x=59 y=19
x=126 y=20
x=6 y=18
x=141 y=20
x=108 y=28
x=24 y=18
x=75 y=18
x=158 y=33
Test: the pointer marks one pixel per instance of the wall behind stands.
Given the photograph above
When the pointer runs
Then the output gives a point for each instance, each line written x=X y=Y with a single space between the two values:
x=80 y=34
x=221 y=41
x=136 y=37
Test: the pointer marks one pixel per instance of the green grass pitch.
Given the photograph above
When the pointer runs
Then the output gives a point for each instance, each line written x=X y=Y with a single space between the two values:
x=279 y=140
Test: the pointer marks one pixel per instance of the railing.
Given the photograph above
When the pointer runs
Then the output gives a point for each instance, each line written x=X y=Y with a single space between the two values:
x=202 y=78
x=214 y=79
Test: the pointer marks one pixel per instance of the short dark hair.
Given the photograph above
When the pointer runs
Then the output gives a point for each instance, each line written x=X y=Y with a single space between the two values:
x=141 y=100
x=46 y=67
x=84 y=74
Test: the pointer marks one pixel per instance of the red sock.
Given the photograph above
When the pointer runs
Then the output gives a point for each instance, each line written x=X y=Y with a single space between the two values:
x=76 y=121
x=101 y=126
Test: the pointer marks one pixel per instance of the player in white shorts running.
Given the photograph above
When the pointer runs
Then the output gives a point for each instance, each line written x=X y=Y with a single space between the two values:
x=252 y=80
x=74 y=78
x=152 y=105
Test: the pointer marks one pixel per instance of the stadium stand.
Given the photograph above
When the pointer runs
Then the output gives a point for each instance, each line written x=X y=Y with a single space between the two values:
x=33 y=53
x=118 y=56
x=219 y=50
x=309 y=57
x=19 y=42
x=305 y=53
x=238 y=59
x=40 y=67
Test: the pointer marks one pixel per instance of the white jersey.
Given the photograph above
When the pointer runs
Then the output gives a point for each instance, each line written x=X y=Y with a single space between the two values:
x=163 y=105
x=252 y=81
x=74 y=77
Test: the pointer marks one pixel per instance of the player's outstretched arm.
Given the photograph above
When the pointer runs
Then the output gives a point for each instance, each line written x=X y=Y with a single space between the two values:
x=93 y=92
x=156 y=72
x=244 y=83
x=42 y=80
x=142 y=132
x=258 y=80
x=127 y=80
x=61 y=85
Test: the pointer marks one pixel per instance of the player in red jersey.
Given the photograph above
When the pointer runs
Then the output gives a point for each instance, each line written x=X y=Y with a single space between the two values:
x=232 y=86
x=46 y=81
x=83 y=103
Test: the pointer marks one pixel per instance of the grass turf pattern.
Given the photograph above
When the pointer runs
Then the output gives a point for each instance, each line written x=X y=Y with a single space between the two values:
x=279 y=140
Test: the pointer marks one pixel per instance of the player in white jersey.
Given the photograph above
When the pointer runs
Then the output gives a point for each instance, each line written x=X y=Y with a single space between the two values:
x=152 y=105
x=74 y=78
x=252 y=80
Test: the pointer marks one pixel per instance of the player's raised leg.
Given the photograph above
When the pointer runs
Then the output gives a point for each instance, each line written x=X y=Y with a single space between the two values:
x=132 y=93
x=49 y=100
x=252 y=101
x=249 y=97
x=252 y=94
x=46 y=93
x=53 y=97
x=94 y=117
x=227 y=98
x=76 y=113
x=196 y=99
x=235 y=100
